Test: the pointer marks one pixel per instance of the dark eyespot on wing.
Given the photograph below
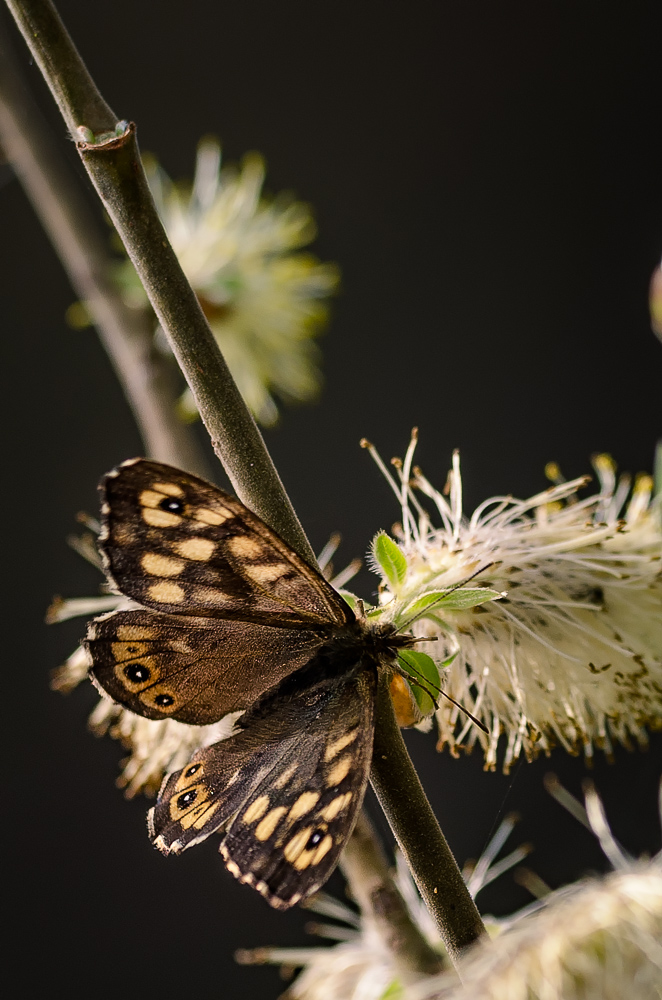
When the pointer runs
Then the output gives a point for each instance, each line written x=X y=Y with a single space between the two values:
x=191 y=669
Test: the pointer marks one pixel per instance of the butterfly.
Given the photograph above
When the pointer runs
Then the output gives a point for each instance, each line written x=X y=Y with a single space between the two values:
x=230 y=619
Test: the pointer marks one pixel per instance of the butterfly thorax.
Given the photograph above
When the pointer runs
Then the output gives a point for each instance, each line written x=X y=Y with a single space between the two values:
x=383 y=640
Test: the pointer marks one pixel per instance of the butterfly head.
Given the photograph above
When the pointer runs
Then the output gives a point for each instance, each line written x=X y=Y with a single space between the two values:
x=384 y=640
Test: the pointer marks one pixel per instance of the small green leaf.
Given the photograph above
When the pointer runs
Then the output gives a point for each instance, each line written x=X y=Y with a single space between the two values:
x=394 y=991
x=469 y=597
x=455 y=600
x=422 y=668
x=390 y=558
x=449 y=659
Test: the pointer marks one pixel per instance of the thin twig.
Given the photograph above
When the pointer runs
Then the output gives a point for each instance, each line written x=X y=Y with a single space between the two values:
x=417 y=831
x=109 y=151
x=145 y=375
x=366 y=869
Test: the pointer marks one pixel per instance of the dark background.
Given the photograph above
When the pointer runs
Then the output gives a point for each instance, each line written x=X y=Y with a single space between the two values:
x=488 y=177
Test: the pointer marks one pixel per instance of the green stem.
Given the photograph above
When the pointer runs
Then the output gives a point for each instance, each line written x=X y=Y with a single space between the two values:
x=145 y=375
x=109 y=151
x=366 y=869
x=419 y=835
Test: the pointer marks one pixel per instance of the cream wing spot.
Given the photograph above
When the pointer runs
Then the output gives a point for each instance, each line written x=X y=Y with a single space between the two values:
x=245 y=547
x=231 y=866
x=160 y=518
x=148 y=498
x=335 y=807
x=159 y=698
x=256 y=810
x=295 y=846
x=134 y=632
x=166 y=593
x=266 y=573
x=128 y=650
x=323 y=849
x=170 y=489
x=197 y=817
x=339 y=771
x=285 y=777
x=266 y=827
x=207 y=516
x=200 y=549
x=135 y=675
x=190 y=775
x=159 y=565
x=206 y=815
x=334 y=748
x=210 y=595
x=303 y=860
x=303 y=805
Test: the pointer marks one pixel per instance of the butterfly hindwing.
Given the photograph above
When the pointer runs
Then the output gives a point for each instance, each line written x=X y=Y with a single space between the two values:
x=177 y=544
x=204 y=795
x=194 y=670
x=288 y=786
x=287 y=838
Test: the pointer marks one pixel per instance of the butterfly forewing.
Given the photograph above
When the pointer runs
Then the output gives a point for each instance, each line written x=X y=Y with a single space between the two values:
x=177 y=544
x=289 y=785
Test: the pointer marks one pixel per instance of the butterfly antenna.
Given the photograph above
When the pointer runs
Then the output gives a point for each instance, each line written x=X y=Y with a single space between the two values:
x=476 y=722
x=412 y=680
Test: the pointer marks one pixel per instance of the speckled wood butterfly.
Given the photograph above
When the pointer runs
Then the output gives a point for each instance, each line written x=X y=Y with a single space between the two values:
x=231 y=619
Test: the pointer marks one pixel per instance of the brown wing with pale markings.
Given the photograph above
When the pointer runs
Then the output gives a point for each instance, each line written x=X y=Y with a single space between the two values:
x=177 y=544
x=289 y=785
x=194 y=670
